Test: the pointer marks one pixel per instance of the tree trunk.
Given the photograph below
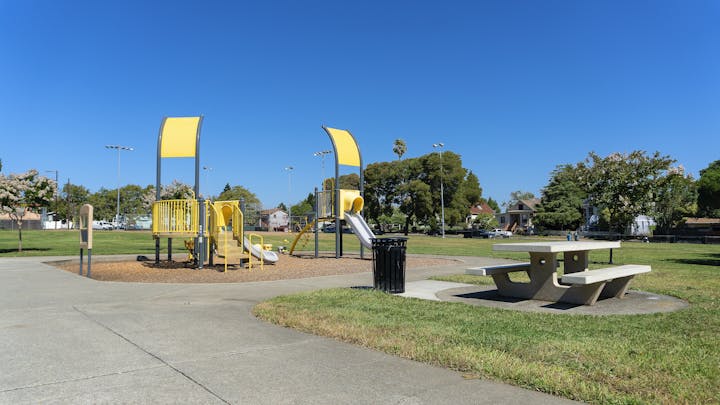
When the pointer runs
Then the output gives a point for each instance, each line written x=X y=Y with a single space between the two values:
x=19 y=236
x=407 y=224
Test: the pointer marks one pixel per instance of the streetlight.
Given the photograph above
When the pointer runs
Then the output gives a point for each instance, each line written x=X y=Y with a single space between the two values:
x=207 y=169
x=57 y=191
x=441 y=145
x=322 y=154
x=118 y=148
x=289 y=169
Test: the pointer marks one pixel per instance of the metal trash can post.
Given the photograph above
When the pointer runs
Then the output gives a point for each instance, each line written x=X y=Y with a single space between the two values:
x=389 y=264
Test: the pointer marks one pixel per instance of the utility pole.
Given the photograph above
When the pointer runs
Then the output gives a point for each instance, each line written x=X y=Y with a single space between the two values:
x=440 y=147
x=289 y=169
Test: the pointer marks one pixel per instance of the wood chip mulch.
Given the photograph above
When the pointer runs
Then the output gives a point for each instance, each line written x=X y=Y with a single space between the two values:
x=287 y=267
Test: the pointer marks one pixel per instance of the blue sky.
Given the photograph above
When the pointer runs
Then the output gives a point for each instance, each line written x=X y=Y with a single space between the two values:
x=514 y=87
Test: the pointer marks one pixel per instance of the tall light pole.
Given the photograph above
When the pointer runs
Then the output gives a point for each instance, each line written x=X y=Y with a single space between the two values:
x=440 y=147
x=57 y=192
x=118 y=148
x=289 y=169
x=322 y=154
x=207 y=170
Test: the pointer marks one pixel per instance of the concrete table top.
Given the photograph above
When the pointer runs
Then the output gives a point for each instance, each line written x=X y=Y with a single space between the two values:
x=555 y=246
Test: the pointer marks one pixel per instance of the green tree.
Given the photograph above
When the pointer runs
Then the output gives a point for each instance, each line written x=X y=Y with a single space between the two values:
x=675 y=198
x=485 y=221
x=350 y=181
x=381 y=185
x=417 y=204
x=452 y=175
x=305 y=208
x=708 y=187
x=399 y=148
x=73 y=196
x=470 y=190
x=561 y=205
x=104 y=204
x=493 y=204
x=623 y=184
x=239 y=193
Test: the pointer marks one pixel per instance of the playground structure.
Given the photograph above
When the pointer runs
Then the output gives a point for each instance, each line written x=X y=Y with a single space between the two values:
x=207 y=224
x=340 y=205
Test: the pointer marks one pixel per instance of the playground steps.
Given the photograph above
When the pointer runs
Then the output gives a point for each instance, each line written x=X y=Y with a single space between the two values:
x=234 y=251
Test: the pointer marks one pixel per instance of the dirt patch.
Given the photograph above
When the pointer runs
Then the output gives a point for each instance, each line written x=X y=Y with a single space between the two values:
x=287 y=267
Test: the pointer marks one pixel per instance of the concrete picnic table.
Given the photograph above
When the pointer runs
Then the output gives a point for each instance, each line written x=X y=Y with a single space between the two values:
x=579 y=285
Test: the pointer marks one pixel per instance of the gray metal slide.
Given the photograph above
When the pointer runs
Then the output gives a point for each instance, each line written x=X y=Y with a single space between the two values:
x=361 y=228
x=267 y=255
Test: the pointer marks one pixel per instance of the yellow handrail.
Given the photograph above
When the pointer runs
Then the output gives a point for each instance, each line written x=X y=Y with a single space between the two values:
x=249 y=250
x=176 y=217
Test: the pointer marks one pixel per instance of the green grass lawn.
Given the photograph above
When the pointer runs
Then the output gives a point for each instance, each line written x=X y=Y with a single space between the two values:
x=66 y=243
x=658 y=358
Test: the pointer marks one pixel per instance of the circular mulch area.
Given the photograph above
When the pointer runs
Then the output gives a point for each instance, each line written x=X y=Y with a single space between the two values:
x=287 y=267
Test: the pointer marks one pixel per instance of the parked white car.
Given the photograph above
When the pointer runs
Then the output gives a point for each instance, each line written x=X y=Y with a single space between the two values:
x=102 y=225
x=499 y=233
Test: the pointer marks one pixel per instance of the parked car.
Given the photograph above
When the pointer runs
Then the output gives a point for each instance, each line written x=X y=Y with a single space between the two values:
x=481 y=233
x=103 y=225
x=499 y=233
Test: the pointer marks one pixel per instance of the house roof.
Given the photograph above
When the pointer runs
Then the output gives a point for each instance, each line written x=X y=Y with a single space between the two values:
x=531 y=203
x=481 y=208
x=702 y=221
x=270 y=211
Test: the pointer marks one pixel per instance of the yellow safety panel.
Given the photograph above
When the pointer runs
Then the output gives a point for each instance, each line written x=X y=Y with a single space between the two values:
x=350 y=200
x=346 y=149
x=179 y=137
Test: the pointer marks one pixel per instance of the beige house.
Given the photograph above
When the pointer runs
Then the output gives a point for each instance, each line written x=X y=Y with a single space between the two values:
x=518 y=217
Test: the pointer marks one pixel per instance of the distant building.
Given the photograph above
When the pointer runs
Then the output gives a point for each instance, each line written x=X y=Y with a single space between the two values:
x=643 y=225
x=274 y=219
x=30 y=220
x=477 y=209
x=700 y=226
x=518 y=217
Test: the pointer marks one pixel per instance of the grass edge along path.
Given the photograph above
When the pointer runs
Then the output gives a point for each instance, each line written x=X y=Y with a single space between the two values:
x=613 y=359
x=656 y=358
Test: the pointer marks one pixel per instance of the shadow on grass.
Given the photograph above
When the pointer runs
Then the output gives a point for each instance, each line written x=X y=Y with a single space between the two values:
x=712 y=259
x=15 y=250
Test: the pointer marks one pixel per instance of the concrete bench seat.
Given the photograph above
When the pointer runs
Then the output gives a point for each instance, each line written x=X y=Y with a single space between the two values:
x=616 y=279
x=497 y=269
x=606 y=274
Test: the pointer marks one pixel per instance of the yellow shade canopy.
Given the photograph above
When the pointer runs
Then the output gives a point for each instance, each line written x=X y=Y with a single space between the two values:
x=346 y=149
x=179 y=137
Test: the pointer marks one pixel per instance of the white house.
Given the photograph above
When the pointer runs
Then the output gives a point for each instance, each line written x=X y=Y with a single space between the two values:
x=274 y=219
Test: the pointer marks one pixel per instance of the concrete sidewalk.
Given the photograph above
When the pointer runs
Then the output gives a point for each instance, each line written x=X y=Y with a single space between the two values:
x=69 y=339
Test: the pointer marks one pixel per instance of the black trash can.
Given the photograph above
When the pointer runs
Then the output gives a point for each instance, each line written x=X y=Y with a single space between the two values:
x=389 y=264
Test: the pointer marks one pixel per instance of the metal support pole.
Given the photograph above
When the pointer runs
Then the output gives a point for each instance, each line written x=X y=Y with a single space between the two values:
x=89 y=262
x=81 y=261
x=169 y=252
x=201 y=242
x=317 y=218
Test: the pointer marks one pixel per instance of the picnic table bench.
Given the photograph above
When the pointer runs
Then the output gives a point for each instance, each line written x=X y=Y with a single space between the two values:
x=577 y=285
